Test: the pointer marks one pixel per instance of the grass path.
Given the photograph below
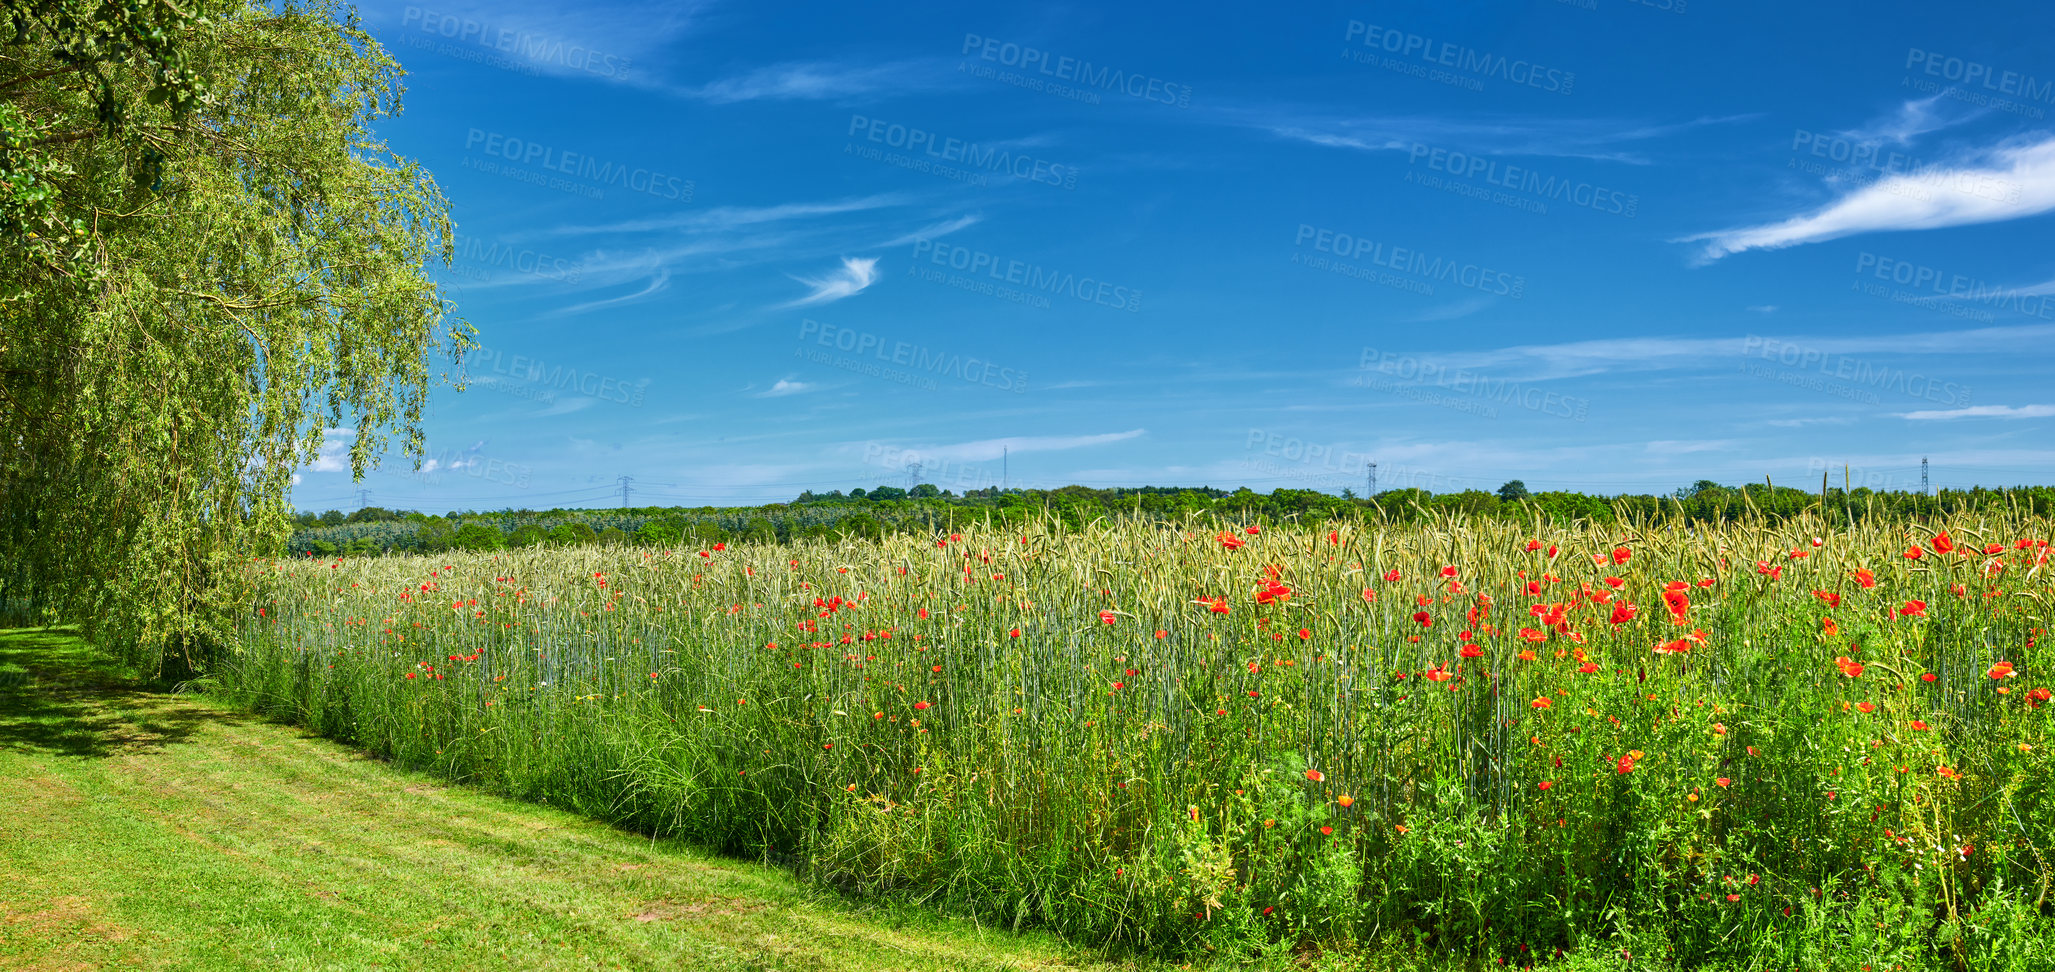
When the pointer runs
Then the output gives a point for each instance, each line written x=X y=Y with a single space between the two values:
x=144 y=830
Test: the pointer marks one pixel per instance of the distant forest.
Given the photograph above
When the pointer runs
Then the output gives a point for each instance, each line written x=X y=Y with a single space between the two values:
x=926 y=509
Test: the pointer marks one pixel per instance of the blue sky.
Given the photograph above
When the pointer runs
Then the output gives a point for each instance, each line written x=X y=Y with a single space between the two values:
x=736 y=251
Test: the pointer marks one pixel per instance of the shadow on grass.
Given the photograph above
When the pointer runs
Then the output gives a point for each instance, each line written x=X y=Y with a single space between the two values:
x=59 y=697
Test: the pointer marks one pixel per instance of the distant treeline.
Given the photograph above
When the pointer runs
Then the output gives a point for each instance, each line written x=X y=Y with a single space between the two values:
x=925 y=508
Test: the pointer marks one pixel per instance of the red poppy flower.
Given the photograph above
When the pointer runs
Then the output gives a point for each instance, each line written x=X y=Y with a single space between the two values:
x=1623 y=612
x=1544 y=702
x=1333 y=538
x=1015 y=633
x=1252 y=531
x=1928 y=677
x=1865 y=578
x=1325 y=831
x=1865 y=707
x=1913 y=609
x=1943 y=543
x=1588 y=667
x=1832 y=599
x=1435 y=674
x=1316 y=776
x=1723 y=781
x=1848 y=668
x=1918 y=726
x=1625 y=765
x=1106 y=616
x=2002 y=669
x=1615 y=582
x=1545 y=785
x=1620 y=555
x=1677 y=647
x=1472 y=651
x=1914 y=552
x=920 y=705
x=1424 y=619
x=2038 y=696
x=1230 y=541
x=1392 y=575
x=1533 y=545
x=1448 y=572
x=1305 y=633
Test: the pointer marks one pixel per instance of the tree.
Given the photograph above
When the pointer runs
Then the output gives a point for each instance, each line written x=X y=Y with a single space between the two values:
x=476 y=536
x=1512 y=492
x=572 y=534
x=207 y=261
x=925 y=491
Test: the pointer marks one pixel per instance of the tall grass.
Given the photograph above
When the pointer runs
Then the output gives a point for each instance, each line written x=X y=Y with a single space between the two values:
x=955 y=718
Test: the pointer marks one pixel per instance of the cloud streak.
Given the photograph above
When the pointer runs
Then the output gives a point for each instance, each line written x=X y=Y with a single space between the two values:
x=2009 y=183
x=1984 y=411
x=856 y=275
x=984 y=449
x=812 y=81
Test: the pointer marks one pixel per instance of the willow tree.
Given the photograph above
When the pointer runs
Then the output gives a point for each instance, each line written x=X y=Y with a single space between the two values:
x=208 y=262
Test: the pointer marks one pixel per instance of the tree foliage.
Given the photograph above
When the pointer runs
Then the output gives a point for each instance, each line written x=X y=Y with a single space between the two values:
x=210 y=262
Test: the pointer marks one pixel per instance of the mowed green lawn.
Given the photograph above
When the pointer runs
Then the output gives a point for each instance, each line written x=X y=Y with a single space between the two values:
x=146 y=830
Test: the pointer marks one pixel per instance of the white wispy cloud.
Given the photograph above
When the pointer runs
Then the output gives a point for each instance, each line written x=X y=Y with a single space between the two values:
x=1762 y=308
x=984 y=449
x=934 y=231
x=724 y=218
x=815 y=81
x=1919 y=116
x=1597 y=139
x=2009 y=182
x=786 y=386
x=591 y=42
x=657 y=284
x=1983 y=411
x=1573 y=359
x=857 y=273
